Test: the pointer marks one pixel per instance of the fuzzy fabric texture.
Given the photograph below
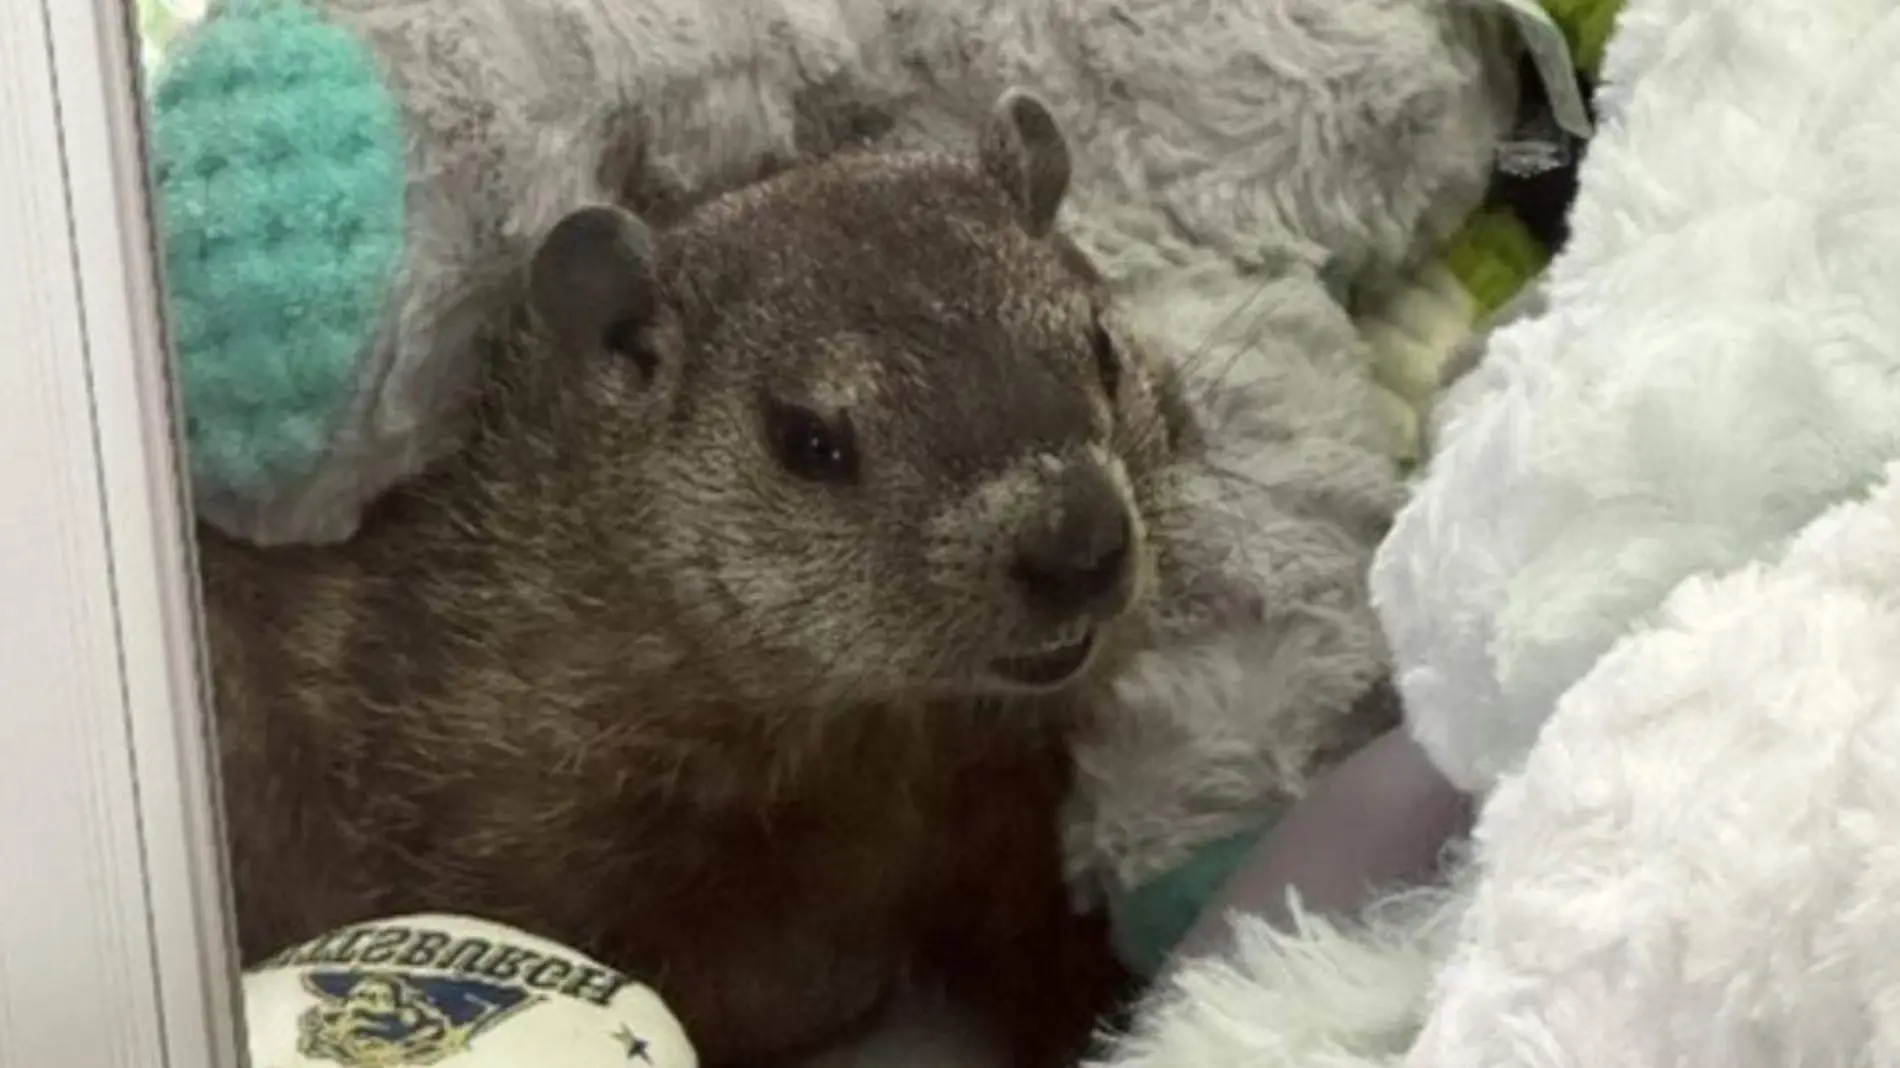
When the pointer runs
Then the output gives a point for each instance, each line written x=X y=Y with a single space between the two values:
x=1697 y=867
x=1715 y=367
x=1326 y=995
x=1268 y=641
x=1353 y=134
x=280 y=194
x=1273 y=641
x=1691 y=863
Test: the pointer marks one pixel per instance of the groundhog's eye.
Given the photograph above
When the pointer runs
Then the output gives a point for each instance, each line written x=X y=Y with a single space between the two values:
x=811 y=446
x=1108 y=361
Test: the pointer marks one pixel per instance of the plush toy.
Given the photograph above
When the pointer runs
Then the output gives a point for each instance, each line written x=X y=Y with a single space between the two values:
x=419 y=990
x=1417 y=323
x=349 y=188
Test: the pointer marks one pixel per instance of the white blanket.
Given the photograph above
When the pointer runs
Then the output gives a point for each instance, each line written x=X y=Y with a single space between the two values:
x=1690 y=855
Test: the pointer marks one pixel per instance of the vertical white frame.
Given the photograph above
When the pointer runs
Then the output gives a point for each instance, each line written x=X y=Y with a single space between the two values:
x=114 y=926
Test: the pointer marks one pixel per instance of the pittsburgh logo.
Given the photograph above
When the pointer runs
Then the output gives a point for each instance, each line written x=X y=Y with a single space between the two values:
x=387 y=1019
x=410 y=949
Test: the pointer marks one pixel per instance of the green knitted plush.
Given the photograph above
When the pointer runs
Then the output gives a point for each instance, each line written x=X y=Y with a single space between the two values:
x=279 y=180
x=1414 y=331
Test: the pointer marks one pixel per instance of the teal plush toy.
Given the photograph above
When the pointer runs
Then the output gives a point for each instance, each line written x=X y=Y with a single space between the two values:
x=1152 y=917
x=280 y=181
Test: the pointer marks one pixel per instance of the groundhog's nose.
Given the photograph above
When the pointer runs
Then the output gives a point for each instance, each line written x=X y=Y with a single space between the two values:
x=1073 y=558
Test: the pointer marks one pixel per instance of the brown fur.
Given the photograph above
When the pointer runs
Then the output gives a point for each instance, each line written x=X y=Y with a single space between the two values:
x=613 y=676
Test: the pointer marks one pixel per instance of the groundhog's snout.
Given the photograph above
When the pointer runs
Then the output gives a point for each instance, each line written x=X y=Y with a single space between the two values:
x=1074 y=559
x=1074 y=565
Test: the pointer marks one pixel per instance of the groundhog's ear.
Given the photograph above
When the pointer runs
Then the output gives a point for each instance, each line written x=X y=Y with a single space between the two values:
x=594 y=284
x=1023 y=148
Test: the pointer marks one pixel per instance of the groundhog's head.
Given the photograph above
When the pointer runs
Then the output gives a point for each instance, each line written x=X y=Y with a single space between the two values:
x=872 y=428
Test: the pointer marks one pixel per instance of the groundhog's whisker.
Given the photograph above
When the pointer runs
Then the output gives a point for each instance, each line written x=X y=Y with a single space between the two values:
x=1190 y=365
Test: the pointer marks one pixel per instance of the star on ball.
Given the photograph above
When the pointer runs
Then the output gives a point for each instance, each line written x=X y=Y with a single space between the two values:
x=636 y=1046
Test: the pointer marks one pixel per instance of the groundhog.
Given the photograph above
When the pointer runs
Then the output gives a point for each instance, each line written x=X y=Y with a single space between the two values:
x=743 y=645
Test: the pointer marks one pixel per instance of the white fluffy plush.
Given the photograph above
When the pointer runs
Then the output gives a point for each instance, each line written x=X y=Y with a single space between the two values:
x=1324 y=996
x=1699 y=865
x=1719 y=362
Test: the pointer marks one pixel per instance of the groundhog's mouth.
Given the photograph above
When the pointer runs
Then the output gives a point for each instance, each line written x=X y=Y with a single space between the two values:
x=1046 y=666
